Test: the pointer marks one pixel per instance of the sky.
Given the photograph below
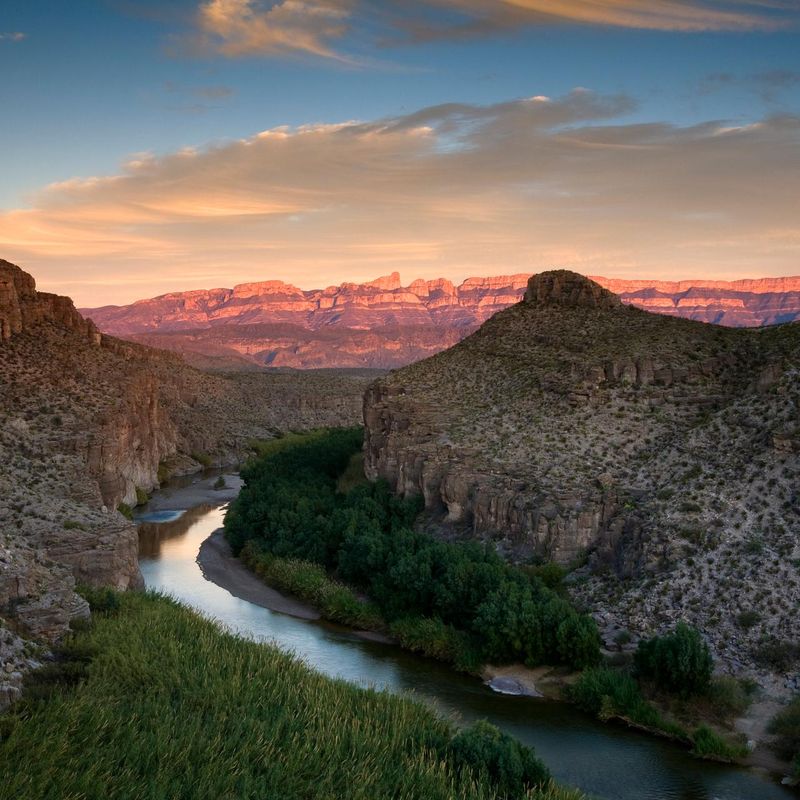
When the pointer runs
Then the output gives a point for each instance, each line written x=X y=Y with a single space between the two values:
x=149 y=147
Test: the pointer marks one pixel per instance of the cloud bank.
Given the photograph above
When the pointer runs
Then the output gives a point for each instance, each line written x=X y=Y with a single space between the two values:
x=452 y=190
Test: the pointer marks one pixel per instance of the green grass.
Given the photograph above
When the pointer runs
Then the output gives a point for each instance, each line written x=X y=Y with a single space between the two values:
x=154 y=702
x=309 y=582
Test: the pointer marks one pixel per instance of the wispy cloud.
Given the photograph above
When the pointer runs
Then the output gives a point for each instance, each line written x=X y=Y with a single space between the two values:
x=666 y=15
x=236 y=28
x=15 y=36
x=767 y=85
x=455 y=189
x=254 y=27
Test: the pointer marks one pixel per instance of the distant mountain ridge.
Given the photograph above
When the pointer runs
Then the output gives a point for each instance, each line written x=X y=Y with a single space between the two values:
x=382 y=323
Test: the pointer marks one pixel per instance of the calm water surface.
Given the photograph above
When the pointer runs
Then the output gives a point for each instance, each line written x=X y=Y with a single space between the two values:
x=605 y=761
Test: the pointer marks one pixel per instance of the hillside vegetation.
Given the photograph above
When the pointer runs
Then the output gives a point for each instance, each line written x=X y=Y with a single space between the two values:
x=665 y=451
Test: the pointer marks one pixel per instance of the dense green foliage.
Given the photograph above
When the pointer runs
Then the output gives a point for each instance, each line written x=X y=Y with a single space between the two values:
x=498 y=757
x=290 y=507
x=679 y=662
x=154 y=702
x=610 y=693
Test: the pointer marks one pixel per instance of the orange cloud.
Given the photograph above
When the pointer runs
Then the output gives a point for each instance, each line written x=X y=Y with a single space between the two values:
x=452 y=190
x=253 y=27
x=236 y=28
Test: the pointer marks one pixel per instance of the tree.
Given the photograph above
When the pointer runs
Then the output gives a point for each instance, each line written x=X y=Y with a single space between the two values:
x=679 y=662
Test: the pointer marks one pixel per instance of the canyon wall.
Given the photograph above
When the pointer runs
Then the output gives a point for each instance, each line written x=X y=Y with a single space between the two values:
x=89 y=423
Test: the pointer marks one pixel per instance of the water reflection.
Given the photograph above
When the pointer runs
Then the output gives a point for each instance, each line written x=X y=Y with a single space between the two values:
x=156 y=527
x=607 y=762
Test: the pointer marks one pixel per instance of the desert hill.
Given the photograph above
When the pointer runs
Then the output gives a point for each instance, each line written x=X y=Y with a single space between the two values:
x=661 y=452
x=88 y=423
x=384 y=324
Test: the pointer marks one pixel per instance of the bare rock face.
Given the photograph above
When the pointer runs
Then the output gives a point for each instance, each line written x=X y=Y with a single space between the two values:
x=662 y=453
x=562 y=287
x=383 y=324
x=22 y=307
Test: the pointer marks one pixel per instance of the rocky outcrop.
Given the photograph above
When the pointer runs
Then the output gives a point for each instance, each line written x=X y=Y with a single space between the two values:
x=562 y=287
x=22 y=307
x=575 y=428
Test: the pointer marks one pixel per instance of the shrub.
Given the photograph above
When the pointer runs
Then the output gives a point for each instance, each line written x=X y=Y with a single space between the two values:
x=679 y=662
x=550 y=574
x=125 y=510
x=435 y=639
x=163 y=472
x=510 y=766
x=202 y=458
x=730 y=697
x=747 y=619
x=707 y=743
x=609 y=693
x=778 y=654
x=103 y=600
x=219 y=483
x=578 y=641
x=71 y=524
x=785 y=726
x=141 y=496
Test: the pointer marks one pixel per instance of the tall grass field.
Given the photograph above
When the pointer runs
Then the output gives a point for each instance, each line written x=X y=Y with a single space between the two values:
x=153 y=702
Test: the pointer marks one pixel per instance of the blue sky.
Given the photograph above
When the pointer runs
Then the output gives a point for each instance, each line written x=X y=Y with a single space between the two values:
x=86 y=85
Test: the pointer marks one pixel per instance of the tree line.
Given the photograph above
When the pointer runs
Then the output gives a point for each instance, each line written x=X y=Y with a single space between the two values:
x=291 y=508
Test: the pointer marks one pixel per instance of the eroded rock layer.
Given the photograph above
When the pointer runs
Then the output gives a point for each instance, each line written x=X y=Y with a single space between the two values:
x=384 y=324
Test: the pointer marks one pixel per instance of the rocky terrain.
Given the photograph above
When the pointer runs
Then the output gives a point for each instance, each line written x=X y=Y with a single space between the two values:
x=657 y=458
x=384 y=324
x=88 y=425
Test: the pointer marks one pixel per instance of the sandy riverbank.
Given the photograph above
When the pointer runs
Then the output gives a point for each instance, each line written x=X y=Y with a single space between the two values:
x=221 y=567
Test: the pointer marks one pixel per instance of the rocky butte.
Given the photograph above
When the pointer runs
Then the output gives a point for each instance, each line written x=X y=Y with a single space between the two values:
x=385 y=324
x=658 y=458
x=89 y=424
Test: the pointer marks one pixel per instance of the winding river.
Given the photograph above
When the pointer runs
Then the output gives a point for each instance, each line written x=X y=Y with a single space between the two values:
x=608 y=762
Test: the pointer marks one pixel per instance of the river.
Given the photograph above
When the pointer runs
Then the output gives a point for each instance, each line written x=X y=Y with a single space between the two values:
x=608 y=762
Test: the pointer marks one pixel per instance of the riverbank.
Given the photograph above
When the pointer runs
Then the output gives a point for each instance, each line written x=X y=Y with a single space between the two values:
x=219 y=565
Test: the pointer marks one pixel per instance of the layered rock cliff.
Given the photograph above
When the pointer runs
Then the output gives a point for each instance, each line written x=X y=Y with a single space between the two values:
x=572 y=426
x=88 y=423
x=385 y=324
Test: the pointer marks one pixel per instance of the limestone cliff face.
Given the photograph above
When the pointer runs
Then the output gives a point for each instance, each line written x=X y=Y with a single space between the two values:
x=654 y=448
x=22 y=307
x=404 y=447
